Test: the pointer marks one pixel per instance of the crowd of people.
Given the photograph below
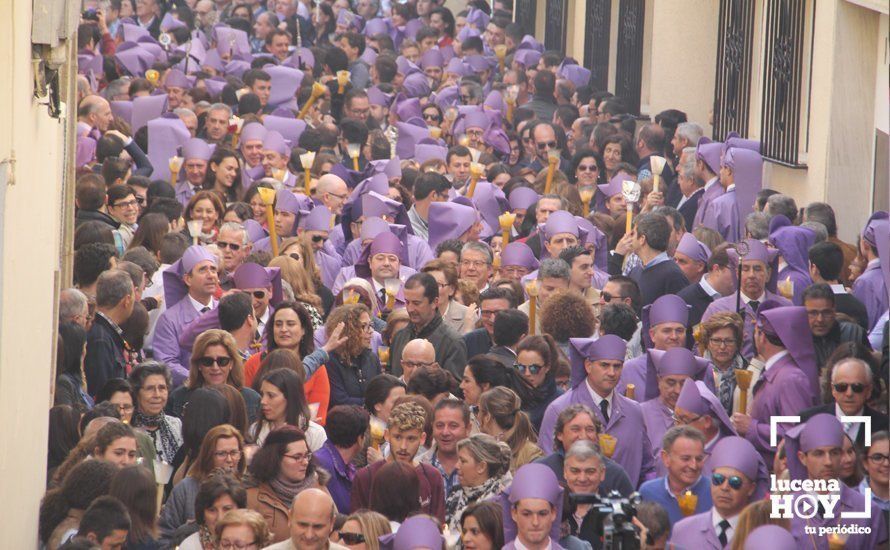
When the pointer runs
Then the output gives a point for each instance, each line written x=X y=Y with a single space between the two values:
x=386 y=275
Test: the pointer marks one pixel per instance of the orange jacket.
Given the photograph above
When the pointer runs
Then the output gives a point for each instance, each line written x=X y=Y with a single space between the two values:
x=317 y=388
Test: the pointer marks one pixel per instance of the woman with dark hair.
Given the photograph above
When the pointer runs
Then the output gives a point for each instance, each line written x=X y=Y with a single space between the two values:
x=215 y=360
x=537 y=359
x=850 y=470
x=151 y=383
x=617 y=149
x=482 y=526
x=498 y=174
x=63 y=435
x=317 y=388
x=484 y=372
x=207 y=409
x=587 y=169
x=353 y=364
x=119 y=392
x=279 y=471
x=442 y=19
x=219 y=493
x=221 y=450
x=93 y=231
x=238 y=212
x=135 y=487
x=324 y=22
x=395 y=505
x=224 y=175
x=150 y=233
x=283 y=402
x=257 y=206
x=62 y=507
x=70 y=386
x=380 y=397
x=116 y=443
x=207 y=207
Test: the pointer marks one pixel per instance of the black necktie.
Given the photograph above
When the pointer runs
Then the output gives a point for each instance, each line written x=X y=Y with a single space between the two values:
x=754 y=305
x=205 y=309
x=604 y=407
x=383 y=296
x=724 y=527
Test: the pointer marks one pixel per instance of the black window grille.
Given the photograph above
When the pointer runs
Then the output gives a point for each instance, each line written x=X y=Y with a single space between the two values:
x=525 y=15
x=597 y=26
x=732 y=93
x=629 y=60
x=555 y=29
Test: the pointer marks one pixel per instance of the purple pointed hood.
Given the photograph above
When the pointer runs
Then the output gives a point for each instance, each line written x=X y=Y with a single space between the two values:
x=409 y=135
x=425 y=151
x=709 y=151
x=273 y=141
x=532 y=481
x=821 y=430
x=605 y=348
x=432 y=58
x=290 y=128
x=669 y=308
x=559 y=222
x=747 y=171
x=231 y=41
x=734 y=140
x=285 y=83
x=697 y=399
x=790 y=325
x=527 y=57
x=738 y=453
x=196 y=149
x=319 y=219
x=518 y=253
x=522 y=198
x=772 y=537
x=793 y=242
x=383 y=243
x=255 y=231
x=376 y=97
x=613 y=188
x=174 y=285
x=576 y=74
x=415 y=532
x=876 y=219
x=165 y=136
x=449 y=220
x=696 y=250
x=250 y=276
x=147 y=108
x=673 y=362
x=599 y=241
x=177 y=79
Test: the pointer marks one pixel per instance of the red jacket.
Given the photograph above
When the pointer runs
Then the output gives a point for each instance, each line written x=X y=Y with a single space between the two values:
x=432 y=489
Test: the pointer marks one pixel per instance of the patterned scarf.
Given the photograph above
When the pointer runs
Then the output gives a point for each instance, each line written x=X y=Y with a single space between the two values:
x=166 y=440
x=286 y=489
x=462 y=497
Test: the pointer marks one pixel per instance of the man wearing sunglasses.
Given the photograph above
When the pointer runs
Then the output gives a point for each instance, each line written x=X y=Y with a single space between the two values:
x=851 y=387
x=683 y=456
x=738 y=477
x=234 y=245
x=263 y=285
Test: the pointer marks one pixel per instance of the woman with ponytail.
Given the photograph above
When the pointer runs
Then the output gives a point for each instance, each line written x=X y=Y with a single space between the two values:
x=501 y=416
x=63 y=507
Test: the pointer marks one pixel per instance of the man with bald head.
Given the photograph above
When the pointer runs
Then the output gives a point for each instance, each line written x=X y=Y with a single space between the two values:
x=332 y=192
x=311 y=522
x=95 y=112
x=417 y=353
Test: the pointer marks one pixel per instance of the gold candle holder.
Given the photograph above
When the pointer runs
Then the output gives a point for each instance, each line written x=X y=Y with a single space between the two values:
x=687 y=502
x=743 y=381
x=786 y=288
x=501 y=52
x=306 y=161
x=506 y=220
x=586 y=193
x=435 y=132
x=607 y=444
x=511 y=95
x=552 y=163
x=268 y=198
x=378 y=427
x=280 y=174
x=532 y=289
x=630 y=391
x=383 y=354
x=476 y=170
x=318 y=90
x=391 y=286
x=153 y=77
x=657 y=164
x=235 y=125
x=342 y=80
x=175 y=165
x=353 y=149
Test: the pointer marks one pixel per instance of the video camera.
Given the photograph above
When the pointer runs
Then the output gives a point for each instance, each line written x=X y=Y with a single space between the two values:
x=612 y=520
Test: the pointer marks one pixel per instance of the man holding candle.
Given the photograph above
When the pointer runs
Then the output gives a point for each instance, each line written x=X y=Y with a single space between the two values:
x=683 y=491
x=738 y=477
x=596 y=369
x=554 y=275
x=195 y=154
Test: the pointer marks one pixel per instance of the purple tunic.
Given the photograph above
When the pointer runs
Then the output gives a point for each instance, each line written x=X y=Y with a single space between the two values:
x=658 y=419
x=722 y=216
x=800 y=279
x=626 y=425
x=708 y=196
x=419 y=252
x=696 y=532
x=348 y=272
x=337 y=239
x=727 y=303
x=184 y=192
x=781 y=390
x=872 y=291
x=634 y=372
x=166 y=347
x=850 y=501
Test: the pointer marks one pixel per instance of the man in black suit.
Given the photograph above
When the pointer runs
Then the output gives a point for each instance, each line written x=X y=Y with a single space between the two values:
x=826 y=263
x=851 y=385
x=491 y=301
x=690 y=186
x=716 y=282
x=510 y=326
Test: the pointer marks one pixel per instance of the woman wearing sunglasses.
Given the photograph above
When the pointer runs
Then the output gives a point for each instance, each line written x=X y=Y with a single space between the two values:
x=215 y=361
x=738 y=478
x=537 y=359
x=361 y=530
x=432 y=115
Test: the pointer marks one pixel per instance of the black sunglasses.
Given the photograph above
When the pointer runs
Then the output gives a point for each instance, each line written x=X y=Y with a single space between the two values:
x=842 y=387
x=224 y=245
x=545 y=144
x=258 y=294
x=210 y=361
x=608 y=297
x=431 y=116
x=352 y=539
x=319 y=238
x=735 y=482
x=533 y=369
x=295 y=256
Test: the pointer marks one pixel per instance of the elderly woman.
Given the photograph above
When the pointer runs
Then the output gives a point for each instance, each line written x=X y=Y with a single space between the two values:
x=279 y=471
x=215 y=360
x=242 y=529
x=720 y=337
x=500 y=416
x=352 y=365
x=151 y=382
x=483 y=467
x=222 y=449
x=218 y=494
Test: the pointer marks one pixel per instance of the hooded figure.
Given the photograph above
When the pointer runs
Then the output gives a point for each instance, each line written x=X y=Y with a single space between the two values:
x=383 y=243
x=450 y=220
x=181 y=310
x=194 y=149
x=697 y=400
x=625 y=419
x=871 y=286
x=793 y=243
x=415 y=532
x=708 y=152
x=727 y=213
x=535 y=481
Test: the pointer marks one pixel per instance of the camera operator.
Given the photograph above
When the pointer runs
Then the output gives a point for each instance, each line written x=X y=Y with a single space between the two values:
x=584 y=471
x=535 y=503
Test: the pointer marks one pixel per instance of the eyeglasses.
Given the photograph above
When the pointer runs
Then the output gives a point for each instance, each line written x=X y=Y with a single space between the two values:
x=222 y=455
x=533 y=369
x=473 y=263
x=735 y=482
x=301 y=457
x=588 y=168
x=259 y=294
x=127 y=204
x=431 y=116
x=352 y=539
x=235 y=545
x=608 y=297
x=319 y=238
x=210 y=361
x=722 y=342
x=680 y=422
x=339 y=196
x=842 y=387
x=231 y=246
x=545 y=145
x=877 y=458
x=416 y=364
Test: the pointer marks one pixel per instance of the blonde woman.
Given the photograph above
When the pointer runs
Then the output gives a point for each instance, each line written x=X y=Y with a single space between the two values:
x=303 y=288
x=300 y=250
x=500 y=415
x=362 y=529
x=242 y=529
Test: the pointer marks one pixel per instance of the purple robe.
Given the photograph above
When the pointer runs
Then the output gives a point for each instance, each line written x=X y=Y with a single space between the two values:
x=328 y=265
x=337 y=239
x=727 y=303
x=634 y=372
x=722 y=216
x=696 y=532
x=872 y=291
x=166 y=348
x=185 y=191
x=625 y=424
x=708 y=196
x=419 y=252
x=348 y=272
x=782 y=390
x=658 y=419
x=850 y=501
